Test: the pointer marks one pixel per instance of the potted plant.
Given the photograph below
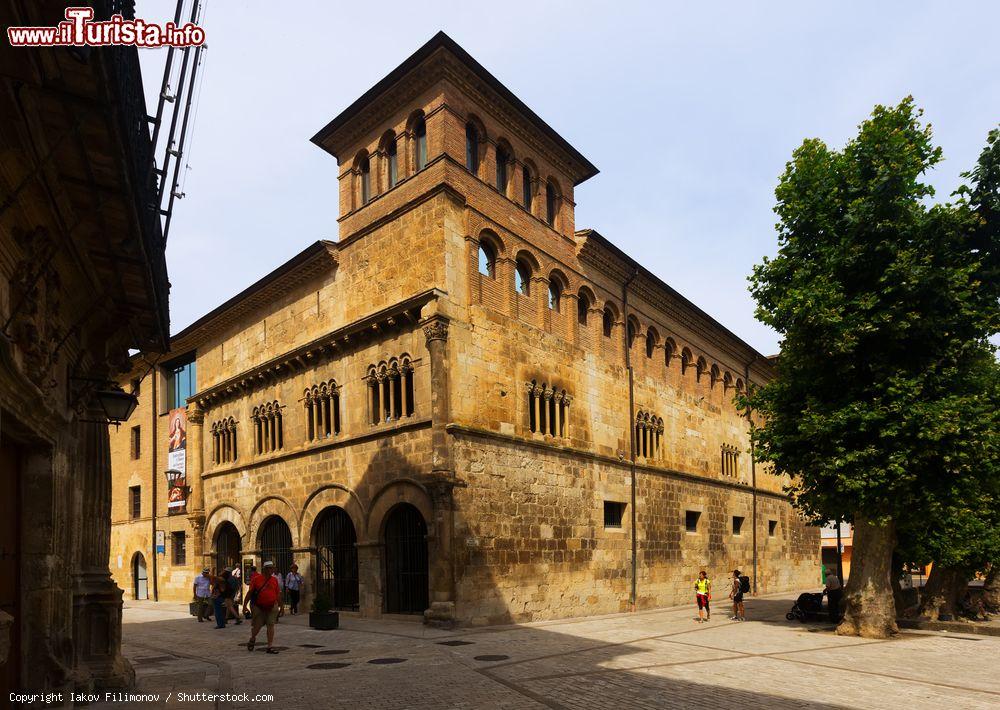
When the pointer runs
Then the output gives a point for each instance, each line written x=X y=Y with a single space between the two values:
x=321 y=617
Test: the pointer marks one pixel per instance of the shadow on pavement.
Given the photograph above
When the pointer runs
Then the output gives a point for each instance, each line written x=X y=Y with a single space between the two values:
x=656 y=659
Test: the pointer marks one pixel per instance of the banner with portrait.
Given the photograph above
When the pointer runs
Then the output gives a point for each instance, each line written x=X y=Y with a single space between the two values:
x=177 y=461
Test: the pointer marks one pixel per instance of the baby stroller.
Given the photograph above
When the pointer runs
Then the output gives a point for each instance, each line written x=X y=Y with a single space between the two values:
x=807 y=606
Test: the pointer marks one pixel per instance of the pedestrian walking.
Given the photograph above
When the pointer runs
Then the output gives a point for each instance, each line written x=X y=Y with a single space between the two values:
x=736 y=594
x=202 y=590
x=229 y=597
x=293 y=583
x=238 y=576
x=264 y=595
x=703 y=595
x=834 y=591
x=219 y=586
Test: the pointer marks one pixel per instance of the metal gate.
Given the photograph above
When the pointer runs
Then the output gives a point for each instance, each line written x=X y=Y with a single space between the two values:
x=228 y=547
x=406 y=575
x=275 y=544
x=337 y=559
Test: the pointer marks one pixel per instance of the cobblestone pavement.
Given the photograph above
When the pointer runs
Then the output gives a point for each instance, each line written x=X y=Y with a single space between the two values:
x=661 y=659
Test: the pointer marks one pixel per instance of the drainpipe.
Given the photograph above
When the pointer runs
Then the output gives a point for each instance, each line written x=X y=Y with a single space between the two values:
x=153 y=417
x=631 y=434
x=753 y=479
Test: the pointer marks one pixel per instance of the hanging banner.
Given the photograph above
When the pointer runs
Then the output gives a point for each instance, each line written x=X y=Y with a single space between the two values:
x=177 y=461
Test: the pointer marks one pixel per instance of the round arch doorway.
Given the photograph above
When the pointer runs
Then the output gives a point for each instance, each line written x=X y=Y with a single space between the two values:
x=228 y=547
x=335 y=541
x=140 y=578
x=406 y=574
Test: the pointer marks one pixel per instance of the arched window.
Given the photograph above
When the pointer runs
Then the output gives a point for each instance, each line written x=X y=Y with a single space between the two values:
x=526 y=188
x=609 y=322
x=550 y=204
x=487 y=260
x=364 y=168
x=668 y=351
x=631 y=330
x=472 y=148
x=582 y=308
x=650 y=343
x=503 y=160
x=522 y=279
x=555 y=293
x=392 y=163
x=420 y=143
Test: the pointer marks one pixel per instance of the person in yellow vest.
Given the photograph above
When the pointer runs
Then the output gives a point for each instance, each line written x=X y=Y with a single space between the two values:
x=703 y=595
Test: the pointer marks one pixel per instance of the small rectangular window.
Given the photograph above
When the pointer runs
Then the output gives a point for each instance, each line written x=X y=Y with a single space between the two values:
x=134 y=502
x=772 y=527
x=738 y=524
x=614 y=513
x=135 y=441
x=691 y=518
x=179 y=544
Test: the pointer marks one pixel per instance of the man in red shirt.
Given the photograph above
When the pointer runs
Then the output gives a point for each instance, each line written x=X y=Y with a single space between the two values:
x=265 y=596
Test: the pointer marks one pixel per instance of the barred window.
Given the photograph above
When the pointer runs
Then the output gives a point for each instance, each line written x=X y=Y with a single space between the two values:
x=178 y=543
x=267 y=428
x=614 y=513
x=390 y=390
x=322 y=403
x=134 y=502
x=224 y=448
x=548 y=409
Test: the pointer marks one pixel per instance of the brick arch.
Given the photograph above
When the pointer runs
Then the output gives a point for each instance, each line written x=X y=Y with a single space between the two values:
x=403 y=490
x=266 y=507
x=333 y=495
x=493 y=239
x=223 y=513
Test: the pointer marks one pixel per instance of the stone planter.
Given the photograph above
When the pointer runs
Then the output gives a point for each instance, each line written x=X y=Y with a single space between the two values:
x=324 y=621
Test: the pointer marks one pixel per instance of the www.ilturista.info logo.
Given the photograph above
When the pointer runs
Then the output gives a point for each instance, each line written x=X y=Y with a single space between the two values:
x=79 y=29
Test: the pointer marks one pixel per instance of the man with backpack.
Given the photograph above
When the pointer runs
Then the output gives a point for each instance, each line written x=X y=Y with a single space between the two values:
x=740 y=586
x=264 y=597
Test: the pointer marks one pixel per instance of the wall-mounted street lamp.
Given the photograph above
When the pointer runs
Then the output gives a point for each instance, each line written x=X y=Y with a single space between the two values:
x=117 y=404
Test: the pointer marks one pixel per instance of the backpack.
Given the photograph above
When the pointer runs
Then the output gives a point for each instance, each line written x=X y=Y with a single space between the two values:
x=744 y=584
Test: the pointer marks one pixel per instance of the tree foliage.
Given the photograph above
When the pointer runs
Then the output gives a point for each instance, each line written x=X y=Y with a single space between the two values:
x=882 y=301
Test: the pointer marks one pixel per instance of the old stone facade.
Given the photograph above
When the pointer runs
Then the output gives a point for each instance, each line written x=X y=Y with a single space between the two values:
x=82 y=281
x=465 y=407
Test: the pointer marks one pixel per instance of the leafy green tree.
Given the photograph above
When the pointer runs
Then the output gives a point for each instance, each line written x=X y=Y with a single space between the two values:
x=881 y=299
x=957 y=526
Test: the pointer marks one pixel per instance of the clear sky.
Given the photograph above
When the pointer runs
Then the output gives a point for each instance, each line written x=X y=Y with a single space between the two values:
x=690 y=111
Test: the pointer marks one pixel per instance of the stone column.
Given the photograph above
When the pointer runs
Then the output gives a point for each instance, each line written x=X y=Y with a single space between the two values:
x=97 y=601
x=442 y=572
x=195 y=468
x=370 y=579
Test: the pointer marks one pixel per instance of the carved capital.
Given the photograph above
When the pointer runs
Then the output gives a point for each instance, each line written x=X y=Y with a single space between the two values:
x=196 y=415
x=436 y=330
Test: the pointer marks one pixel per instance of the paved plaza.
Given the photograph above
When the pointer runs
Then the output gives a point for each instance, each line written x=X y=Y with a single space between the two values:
x=660 y=659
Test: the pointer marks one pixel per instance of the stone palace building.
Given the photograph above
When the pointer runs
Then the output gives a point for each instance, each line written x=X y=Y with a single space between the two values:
x=466 y=407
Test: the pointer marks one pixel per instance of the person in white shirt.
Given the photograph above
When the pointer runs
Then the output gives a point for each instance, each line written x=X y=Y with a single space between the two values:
x=202 y=589
x=293 y=583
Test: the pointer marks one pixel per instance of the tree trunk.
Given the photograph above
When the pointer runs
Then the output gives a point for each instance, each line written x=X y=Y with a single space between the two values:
x=869 y=609
x=991 y=589
x=944 y=589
